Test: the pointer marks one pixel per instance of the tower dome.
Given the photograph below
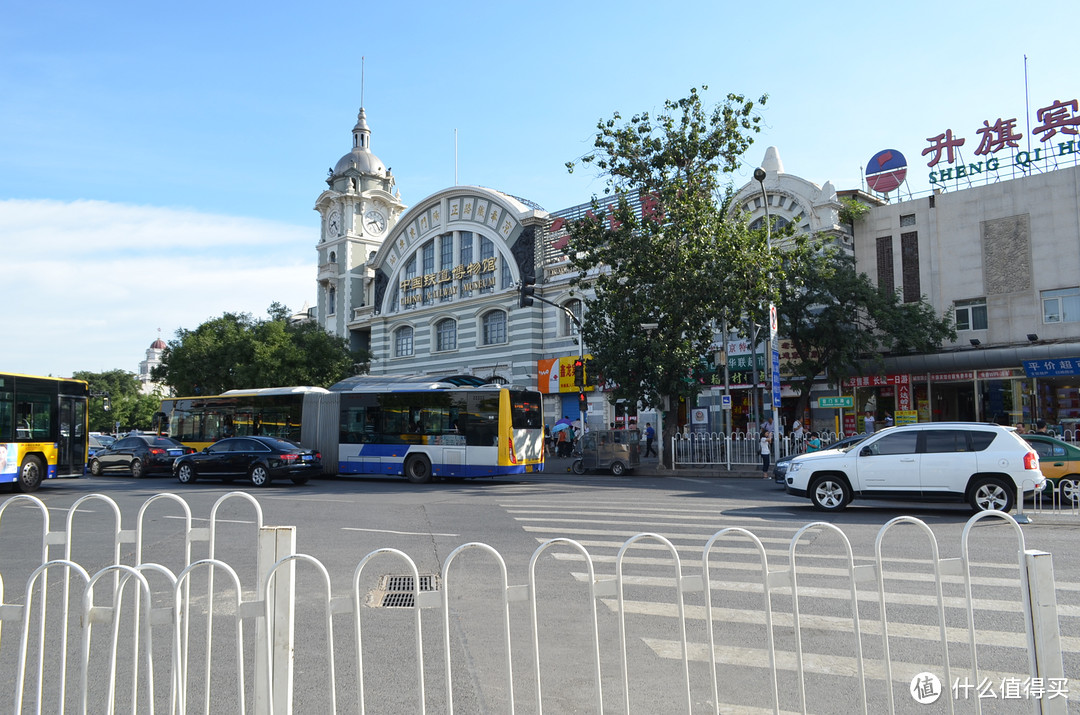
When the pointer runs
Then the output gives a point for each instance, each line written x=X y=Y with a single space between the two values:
x=158 y=344
x=360 y=159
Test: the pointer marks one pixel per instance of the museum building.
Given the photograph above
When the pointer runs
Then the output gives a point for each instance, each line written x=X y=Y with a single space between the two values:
x=433 y=289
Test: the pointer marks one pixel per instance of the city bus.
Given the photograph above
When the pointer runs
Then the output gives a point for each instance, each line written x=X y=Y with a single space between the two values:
x=42 y=429
x=417 y=427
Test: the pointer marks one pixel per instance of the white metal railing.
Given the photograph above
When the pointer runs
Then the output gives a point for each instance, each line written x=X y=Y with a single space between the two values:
x=147 y=659
x=716 y=449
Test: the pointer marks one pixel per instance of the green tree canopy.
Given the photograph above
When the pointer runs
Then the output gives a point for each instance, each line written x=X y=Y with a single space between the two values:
x=837 y=319
x=127 y=405
x=678 y=263
x=236 y=351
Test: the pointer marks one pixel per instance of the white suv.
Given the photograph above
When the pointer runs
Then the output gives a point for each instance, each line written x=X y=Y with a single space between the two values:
x=983 y=464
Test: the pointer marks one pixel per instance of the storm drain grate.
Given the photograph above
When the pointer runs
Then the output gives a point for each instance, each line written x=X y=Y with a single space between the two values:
x=396 y=591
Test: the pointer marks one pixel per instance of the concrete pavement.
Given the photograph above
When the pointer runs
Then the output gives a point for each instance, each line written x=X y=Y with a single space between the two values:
x=651 y=467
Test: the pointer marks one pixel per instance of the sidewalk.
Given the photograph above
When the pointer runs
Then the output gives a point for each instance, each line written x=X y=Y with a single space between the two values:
x=651 y=467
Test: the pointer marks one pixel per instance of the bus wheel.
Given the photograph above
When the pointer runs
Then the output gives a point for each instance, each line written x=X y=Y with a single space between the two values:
x=30 y=475
x=418 y=470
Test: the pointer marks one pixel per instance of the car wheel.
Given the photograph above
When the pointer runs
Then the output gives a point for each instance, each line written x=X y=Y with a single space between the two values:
x=418 y=469
x=989 y=494
x=185 y=474
x=618 y=469
x=136 y=468
x=299 y=480
x=95 y=467
x=578 y=466
x=830 y=493
x=1069 y=489
x=30 y=475
x=260 y=477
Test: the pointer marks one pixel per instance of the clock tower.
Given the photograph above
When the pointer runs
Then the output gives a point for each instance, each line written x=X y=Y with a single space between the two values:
x=358 y=210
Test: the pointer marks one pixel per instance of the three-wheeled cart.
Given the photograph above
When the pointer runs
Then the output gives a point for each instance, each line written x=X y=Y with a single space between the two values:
x=614 y=449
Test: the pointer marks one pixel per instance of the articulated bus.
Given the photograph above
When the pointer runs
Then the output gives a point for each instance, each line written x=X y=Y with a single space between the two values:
x=42 y=429
x=416 y=427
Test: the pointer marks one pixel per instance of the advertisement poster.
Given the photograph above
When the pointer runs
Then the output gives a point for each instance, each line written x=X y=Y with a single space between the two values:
x=9 y=458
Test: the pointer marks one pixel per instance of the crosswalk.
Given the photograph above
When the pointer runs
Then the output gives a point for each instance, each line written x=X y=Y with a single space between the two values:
x=824 y=594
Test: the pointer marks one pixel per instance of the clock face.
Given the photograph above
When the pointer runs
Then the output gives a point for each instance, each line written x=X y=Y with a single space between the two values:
x=374 y=221
x=333 y=224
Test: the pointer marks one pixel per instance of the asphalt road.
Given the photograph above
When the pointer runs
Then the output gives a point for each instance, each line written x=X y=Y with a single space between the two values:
x=339 y=521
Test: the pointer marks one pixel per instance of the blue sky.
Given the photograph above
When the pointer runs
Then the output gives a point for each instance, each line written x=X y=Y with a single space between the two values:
x=159 y=163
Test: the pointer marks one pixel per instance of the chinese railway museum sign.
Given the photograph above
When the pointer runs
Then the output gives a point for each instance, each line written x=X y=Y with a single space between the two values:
x=998 y=148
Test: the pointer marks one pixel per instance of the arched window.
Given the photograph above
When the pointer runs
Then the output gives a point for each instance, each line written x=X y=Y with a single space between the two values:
x=569 y=327
x=494 y=328
x=333 y=256
x=446 y=335
x=403 y=342
x=331 y=300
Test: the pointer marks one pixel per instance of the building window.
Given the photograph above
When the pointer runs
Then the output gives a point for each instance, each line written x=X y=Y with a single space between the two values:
x=487 y=250
x=1061 y=306
x=331 y=300
x=429 y=268
x=971 y=315
x=446 y=263
x=446 y=335
x=569 y=327
x=495 y=328
x=885 y=264
x=909 y=263
x=466 y=251
x=333 y=257
x=907 y=220
x=403 y=342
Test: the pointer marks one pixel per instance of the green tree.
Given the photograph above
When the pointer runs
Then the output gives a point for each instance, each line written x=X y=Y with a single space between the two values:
x=676 y=265
x=127 y=405
x=236 y=351
x=838 y=321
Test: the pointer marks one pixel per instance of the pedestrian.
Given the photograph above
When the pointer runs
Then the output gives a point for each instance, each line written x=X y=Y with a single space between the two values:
x=547 y=438
x=766 y=437
x=814 y=443
x=650 y=435
x=1021 y=428
x=888 y=419
x=1040 y=427
x=868 y=422
x=562 y=444
x=798 y=433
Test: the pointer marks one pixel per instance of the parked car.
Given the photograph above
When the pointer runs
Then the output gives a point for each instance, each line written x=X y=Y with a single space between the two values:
x=1060 y=464
x=105 y=439
x=781 y=466
x=139 y=454
x=261 y=459
x=95 y=444
x=983 y=464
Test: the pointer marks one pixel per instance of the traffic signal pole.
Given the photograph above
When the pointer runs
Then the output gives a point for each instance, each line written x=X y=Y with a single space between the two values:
x=527 y=294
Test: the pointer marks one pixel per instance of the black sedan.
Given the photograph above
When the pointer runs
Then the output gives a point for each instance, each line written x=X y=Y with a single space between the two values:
x=139 y=454
x=261 y=459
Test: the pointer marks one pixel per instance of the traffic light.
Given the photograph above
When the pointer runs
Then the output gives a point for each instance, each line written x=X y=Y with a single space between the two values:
x=579 y=373
x=528 y=290
x=590 y=373
x=105 y=403
x=583 y=402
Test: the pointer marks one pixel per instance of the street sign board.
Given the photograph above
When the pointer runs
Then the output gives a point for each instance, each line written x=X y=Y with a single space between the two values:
x=836 y=402
x=725 y=402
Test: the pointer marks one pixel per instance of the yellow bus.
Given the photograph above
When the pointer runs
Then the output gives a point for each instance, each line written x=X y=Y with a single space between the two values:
x=42 y=429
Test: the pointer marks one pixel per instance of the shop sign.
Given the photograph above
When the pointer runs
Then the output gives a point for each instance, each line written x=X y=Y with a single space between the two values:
x=906 y=417
x=952 y=376
x=1052 y=367
x=877 y=380
x=556 y=375
x=999 y=374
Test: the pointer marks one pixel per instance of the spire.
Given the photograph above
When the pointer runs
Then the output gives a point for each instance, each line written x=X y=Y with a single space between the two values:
x=361 y=133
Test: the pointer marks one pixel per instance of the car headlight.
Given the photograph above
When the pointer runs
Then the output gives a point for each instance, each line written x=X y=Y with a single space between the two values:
x=794 y=467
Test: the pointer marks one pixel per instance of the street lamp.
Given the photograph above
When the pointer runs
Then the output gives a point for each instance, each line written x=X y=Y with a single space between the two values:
x=759 y=175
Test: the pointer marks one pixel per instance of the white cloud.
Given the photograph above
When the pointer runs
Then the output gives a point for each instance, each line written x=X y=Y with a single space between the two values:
x=87 y=284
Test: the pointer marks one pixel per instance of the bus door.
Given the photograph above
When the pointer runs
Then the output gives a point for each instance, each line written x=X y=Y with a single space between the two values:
x=71 y=437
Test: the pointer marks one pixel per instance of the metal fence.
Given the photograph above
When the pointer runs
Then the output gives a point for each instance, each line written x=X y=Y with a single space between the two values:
x=202 y=635
x=716 y=449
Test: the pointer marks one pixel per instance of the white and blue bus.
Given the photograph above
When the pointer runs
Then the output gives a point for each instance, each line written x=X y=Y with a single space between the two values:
x=416 y=427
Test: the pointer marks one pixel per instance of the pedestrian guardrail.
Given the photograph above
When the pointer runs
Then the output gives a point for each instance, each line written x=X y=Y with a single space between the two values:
x=143 y=637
